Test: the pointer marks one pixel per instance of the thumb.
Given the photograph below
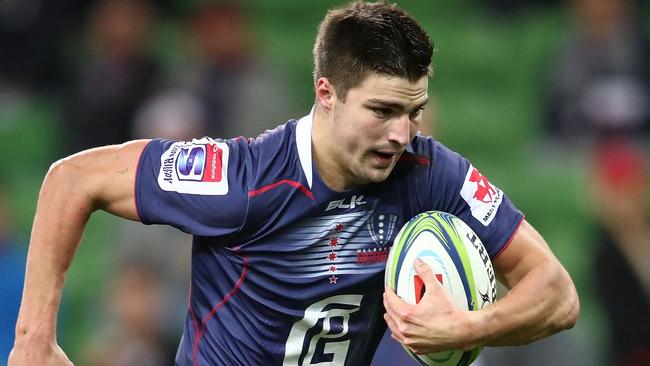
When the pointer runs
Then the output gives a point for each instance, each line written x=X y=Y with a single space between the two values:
x=425 y=272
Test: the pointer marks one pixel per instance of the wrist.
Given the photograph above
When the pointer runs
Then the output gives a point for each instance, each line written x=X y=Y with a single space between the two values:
x=27 y=335
x=476 y=329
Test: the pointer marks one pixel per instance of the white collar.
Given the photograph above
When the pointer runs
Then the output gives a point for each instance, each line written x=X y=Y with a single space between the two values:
x=303 y=142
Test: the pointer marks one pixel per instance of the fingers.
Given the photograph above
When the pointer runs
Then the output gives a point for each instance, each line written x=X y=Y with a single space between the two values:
x=398 y=335
x=423 y=327
x=425 y=272
x=396 y=309
x=391 y=300
x=394 y=305
x=394 y=328
x=404 y=319
x=432 y=284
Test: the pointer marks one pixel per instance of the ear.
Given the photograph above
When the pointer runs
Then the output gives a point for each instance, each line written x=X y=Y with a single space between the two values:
x=325 y=94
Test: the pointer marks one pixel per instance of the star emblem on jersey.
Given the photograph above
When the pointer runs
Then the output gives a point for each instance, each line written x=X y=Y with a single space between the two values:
x=381 y=228
x=332 y=255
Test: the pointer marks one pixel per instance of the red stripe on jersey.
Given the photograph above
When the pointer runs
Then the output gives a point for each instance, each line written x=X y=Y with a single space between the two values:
x=509 y=240
x=135 y=182
x=292 y=183
x=414 y=159
x=199 y=334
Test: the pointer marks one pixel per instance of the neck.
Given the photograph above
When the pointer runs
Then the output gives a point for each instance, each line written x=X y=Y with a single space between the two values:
x=331 y=172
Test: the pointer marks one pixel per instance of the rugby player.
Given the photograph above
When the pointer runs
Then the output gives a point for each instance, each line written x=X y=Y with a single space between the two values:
x=286 y=226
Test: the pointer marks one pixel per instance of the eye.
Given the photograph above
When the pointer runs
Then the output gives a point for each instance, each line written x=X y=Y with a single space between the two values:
x=381 y=112
x=417 y=113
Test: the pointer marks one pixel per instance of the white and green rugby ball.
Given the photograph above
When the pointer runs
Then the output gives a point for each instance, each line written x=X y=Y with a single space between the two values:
x=458 y=260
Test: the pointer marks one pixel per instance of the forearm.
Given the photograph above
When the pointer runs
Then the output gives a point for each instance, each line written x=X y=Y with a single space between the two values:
x=63 y=209
x=542 y=303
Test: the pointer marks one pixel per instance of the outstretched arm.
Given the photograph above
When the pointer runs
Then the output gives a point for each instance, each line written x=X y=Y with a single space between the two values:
x=74 y=187
x=542 y=300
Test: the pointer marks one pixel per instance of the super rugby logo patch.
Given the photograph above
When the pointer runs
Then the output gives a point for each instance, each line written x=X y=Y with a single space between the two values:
x=197 y=167
x=482 y=197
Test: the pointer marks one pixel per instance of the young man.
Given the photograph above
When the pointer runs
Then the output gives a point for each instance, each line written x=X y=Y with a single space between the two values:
x=283 y=223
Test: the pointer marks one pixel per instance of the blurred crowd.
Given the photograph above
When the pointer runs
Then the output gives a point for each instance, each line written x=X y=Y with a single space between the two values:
x=98 y=61
x=599 y=99
x=598 y=106
x=113 y=81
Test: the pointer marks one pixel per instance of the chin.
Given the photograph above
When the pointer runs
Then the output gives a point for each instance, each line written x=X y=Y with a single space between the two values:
x=378 y=176
x=371 y=175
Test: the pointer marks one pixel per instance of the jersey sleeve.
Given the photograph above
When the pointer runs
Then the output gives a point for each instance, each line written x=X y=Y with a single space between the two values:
x=457 y=187
x=199 y=187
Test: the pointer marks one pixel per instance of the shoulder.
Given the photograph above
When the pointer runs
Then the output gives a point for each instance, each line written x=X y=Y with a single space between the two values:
x=277 y=139
x=273 y=148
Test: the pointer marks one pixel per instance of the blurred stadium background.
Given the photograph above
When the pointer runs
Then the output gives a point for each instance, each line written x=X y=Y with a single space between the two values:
x=494 y=67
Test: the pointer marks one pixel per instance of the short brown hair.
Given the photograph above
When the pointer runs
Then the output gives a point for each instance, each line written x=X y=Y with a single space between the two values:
x=365 y=37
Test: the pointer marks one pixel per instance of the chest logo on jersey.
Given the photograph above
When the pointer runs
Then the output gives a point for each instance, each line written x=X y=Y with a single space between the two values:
x=482 y=197
x=381 y=227
x=197 y=167
x=352 y=202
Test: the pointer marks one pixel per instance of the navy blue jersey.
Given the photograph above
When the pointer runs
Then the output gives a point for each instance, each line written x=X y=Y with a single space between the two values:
x=286 y=271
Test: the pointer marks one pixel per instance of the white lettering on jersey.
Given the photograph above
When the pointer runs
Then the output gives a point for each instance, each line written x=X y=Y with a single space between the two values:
x=340 y=306
x=197 y=167
x=482 y=197
x=354 y=202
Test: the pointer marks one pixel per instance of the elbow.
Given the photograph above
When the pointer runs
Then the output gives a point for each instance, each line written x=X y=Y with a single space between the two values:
x=56 y=178
x=66 y=170
x=65 y=178
x=569 y=311
x=574 y=311
x=59 y=169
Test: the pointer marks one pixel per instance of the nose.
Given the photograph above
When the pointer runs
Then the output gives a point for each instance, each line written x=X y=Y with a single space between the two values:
x=400 y=131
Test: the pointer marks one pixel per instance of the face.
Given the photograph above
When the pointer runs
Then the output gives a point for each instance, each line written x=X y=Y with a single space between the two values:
x=373 y=126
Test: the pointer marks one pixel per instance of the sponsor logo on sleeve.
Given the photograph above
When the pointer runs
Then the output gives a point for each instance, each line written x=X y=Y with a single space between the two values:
x=197 y=167
x=482 y=197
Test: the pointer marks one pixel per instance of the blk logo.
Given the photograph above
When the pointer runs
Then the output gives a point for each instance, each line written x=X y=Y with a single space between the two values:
x=353 y=202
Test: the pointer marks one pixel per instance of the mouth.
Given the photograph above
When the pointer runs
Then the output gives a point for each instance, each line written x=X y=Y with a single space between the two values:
x=385 y=157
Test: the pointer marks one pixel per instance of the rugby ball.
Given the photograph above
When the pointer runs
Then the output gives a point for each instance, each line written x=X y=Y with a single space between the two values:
x=459 y=262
